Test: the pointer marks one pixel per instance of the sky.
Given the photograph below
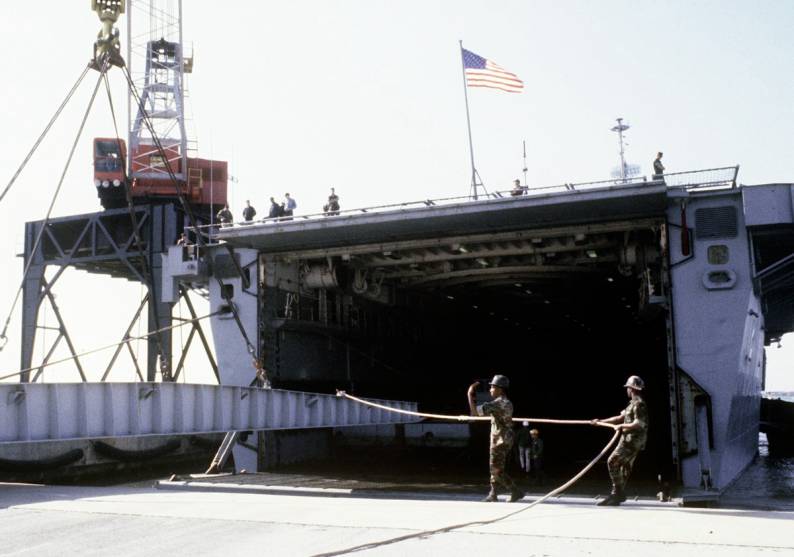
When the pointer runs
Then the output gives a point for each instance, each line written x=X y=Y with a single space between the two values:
x=367 y=96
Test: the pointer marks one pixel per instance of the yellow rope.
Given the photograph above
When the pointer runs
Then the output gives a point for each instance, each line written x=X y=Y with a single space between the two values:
x=466 y=417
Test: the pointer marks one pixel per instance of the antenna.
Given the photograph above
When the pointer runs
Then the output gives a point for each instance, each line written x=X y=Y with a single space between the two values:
x=623 y=171
x=525 y=163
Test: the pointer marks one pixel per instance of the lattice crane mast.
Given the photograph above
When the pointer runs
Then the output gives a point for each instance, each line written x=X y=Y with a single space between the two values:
x=155 y=156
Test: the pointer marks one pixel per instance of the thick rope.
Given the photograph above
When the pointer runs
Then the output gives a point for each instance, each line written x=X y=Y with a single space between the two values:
x=108 y=346
x=466 y=417
x=444 y=530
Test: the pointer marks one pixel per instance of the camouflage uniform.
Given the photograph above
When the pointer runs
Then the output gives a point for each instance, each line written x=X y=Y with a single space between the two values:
x=631 y=443
x=501 y=411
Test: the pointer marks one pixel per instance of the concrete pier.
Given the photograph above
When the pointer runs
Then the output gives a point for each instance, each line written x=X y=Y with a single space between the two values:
x=53 y=520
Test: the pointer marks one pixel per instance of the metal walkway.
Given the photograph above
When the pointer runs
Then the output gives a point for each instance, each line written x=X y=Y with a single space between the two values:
x=68 y=411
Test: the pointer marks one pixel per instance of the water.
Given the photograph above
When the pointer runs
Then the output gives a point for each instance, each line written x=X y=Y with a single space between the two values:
x=782 y=395
x=768 y=483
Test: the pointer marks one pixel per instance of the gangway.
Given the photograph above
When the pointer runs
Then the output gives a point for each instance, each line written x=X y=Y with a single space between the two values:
x=41 y=412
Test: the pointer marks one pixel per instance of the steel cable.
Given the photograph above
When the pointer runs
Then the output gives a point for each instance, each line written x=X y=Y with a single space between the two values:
x=44 y=223
x=147 y=275
x=44 y=133
x=109 y=346
x=183 y=202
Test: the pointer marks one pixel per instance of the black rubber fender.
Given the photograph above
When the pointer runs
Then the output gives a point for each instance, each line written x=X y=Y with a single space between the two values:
x=134 y=456
x=204 y=443
x=41 y=464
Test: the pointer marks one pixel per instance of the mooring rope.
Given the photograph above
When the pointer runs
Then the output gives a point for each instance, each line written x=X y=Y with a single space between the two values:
x=466 y=417
x=445 y=529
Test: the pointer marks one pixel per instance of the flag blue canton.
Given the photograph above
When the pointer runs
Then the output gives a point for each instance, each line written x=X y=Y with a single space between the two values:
x=471 y=60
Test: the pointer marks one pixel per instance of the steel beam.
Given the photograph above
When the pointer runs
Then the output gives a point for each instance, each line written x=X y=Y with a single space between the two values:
x=31 y=298
x=125 y=338
x=163 y=226
x=64 y=411
x=197 y=327
x=446 y=242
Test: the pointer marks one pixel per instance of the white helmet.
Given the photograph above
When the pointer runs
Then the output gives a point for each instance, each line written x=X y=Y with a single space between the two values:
x=635 y=382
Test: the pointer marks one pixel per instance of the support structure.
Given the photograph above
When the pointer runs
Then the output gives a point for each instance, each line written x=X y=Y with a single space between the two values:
x=100 y=243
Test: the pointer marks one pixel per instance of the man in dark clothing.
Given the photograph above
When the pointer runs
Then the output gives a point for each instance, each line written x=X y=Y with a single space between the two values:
x=634 y=434
x=332 y=207
x=249 y=212
x=275 y=209
x=501 y=411
x=523 y=441
x=658 y=167
x=518 y=189
x=225 y=216
x=536 y=456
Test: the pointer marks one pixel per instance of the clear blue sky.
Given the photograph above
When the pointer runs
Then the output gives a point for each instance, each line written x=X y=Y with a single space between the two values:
x=366 y=96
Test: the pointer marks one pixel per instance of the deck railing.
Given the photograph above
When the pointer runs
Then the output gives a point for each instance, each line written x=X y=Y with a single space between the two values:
x=709 y=178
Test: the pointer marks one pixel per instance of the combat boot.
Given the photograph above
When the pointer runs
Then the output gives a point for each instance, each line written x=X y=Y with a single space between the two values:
x=607 y=501
x=516 y=495
x=491 y=497
x=613 y=499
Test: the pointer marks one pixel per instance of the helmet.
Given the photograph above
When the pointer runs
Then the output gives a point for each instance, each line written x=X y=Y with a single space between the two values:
x=500 y=381
x=525 y=423
x=635 y=382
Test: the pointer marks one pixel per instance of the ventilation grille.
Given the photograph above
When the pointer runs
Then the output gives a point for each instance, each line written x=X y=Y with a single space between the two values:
x=716 y=222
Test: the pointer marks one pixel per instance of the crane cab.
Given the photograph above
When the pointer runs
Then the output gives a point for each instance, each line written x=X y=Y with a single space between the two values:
x=109 y=171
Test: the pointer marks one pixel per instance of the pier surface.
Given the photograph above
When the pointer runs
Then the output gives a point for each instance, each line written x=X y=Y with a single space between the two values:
x=58 y=520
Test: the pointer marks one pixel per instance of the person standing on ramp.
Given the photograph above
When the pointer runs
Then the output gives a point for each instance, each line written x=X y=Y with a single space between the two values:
x=500 y=409
x=634 y=433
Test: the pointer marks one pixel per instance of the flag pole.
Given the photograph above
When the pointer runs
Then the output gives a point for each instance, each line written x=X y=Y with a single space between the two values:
x=474 y=174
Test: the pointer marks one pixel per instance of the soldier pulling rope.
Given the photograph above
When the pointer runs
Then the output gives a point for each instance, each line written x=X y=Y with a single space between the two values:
x=632 y=433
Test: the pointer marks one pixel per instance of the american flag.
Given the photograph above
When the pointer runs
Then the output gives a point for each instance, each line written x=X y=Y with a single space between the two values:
x=484 y=73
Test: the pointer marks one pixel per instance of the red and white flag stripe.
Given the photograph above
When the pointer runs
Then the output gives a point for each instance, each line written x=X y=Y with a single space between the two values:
x=494 y=77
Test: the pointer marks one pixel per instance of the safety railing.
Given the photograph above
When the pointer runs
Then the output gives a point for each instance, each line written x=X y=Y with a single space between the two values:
x=707 y=178
x=710 y=178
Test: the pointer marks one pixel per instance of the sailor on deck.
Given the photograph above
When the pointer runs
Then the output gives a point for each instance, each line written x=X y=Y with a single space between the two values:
x=249 y=212
x=225 y=217
x=658 y=167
